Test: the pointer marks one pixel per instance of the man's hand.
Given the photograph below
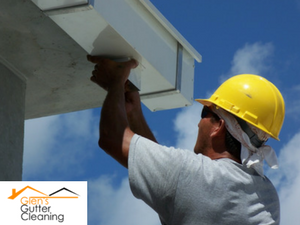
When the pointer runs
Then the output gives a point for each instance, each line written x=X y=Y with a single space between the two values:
x=108 y=73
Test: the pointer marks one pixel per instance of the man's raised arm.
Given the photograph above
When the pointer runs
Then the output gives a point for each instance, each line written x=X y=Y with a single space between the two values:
x=135 y=115
x=115 y=133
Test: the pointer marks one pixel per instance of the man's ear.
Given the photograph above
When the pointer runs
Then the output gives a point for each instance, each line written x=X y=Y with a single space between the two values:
x=219 y=129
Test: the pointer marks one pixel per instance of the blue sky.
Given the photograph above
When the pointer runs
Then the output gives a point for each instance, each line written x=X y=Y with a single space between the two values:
x=233 y=37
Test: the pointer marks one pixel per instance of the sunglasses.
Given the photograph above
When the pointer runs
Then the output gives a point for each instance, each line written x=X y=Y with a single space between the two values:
x=206 y=111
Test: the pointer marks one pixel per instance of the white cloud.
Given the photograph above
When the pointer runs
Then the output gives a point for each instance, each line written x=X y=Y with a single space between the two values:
x=56 y=144
x=186 y=126
x=110 y=206
x=39 y=138
x=252 y=58
x=287 y=181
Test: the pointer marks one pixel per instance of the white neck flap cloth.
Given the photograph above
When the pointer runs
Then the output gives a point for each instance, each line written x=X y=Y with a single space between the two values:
x=250 y=155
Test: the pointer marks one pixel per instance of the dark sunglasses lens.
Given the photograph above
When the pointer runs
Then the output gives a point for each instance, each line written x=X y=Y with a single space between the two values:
x=204 y=112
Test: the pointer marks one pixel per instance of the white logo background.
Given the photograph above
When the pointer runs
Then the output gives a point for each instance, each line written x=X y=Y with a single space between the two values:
x=64 y=209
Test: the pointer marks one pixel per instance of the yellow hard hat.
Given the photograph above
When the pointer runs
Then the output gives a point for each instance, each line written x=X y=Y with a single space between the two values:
x=253 y=99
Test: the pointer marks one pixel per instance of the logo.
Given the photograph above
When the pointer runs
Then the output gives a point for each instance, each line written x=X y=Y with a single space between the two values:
x=43 y=202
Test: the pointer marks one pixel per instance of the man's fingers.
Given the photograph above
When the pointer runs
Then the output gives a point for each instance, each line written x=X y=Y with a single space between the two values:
x=95 y=59
x=98 y=59
x=93 y=78
x=133 y=63
x=91 y=58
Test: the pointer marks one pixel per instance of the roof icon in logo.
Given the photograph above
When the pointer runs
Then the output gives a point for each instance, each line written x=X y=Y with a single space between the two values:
x=16 y=194
x=63 y=190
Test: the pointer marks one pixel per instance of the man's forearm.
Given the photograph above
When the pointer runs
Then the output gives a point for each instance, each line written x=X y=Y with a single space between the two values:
x=114 y=127
x=138 y=124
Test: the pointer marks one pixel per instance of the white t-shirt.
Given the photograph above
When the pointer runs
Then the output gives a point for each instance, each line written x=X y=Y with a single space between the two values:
x=186 y=188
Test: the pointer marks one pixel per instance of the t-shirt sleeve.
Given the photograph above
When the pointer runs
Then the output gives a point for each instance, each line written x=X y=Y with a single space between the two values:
x=154 y=171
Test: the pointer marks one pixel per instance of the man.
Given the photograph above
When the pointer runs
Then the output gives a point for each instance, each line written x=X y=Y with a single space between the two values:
x=223 y=183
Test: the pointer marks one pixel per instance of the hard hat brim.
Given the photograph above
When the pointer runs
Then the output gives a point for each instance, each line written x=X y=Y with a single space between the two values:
x=205 y=102
x=208 y=102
